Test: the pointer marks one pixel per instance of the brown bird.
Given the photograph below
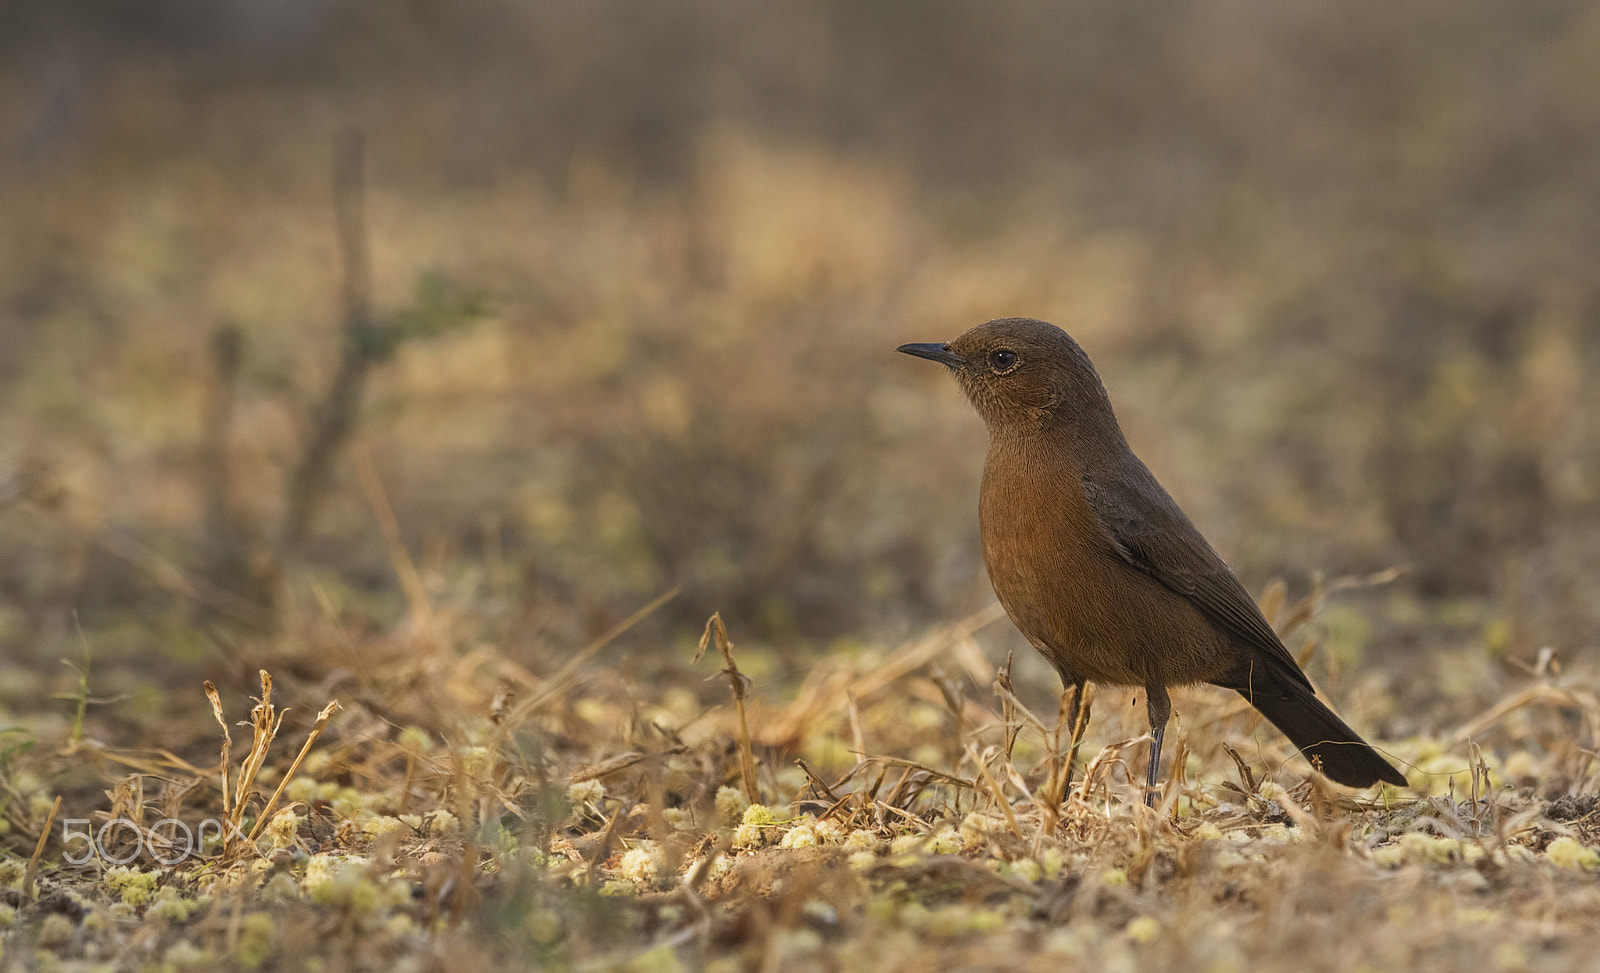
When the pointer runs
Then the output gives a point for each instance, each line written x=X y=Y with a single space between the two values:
x=1098 y=567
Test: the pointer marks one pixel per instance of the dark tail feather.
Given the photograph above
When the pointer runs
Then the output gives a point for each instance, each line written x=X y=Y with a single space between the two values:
x=1314 y=728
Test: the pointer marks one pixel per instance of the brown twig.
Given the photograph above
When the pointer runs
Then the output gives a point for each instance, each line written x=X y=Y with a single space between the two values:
x=603 y=847
x=335 y=417
x=621 y=762
x=939 y=775
x=1246 y=776
x=857 y=738
x=233 y=561
x=1055 y=786
x=821 y=786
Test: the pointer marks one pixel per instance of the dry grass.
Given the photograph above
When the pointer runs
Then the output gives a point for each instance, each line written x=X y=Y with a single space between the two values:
x=442 y=820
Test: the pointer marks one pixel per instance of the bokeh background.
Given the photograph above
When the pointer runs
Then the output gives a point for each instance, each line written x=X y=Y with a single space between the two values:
x=1339 y=266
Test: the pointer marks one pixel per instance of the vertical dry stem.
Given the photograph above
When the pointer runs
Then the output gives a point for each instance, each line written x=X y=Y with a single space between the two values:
x=334 y=418
x=715 y=630
x=288 y=775
x=38 y=849
x=227 y=743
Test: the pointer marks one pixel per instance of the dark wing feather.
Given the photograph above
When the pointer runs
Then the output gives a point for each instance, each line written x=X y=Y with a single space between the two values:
x=1149 y=531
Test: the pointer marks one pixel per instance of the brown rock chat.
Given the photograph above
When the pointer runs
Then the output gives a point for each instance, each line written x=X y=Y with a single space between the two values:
x=1098 y=567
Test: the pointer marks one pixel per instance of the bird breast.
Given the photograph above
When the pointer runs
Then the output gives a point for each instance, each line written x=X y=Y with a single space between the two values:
x=1090 y=613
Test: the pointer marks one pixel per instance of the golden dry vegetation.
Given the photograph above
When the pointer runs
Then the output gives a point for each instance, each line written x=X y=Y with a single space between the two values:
x=453 y=364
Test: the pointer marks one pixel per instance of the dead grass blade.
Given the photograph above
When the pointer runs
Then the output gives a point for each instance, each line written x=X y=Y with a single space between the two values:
x=288 y=775
x=38 y=849
x=1246 y=776
x=1272 y=601
x=164 y=760
x=227 y=742
x=817 y=783
x=826 y=688
x=264 y=722
x=389 y=525
x=857 y=738
x=1080 y=726
x=1540 y=694
x=1008 y=706
x=1108 y=754
x=716 y=631
x=994 y=788
x=621 y=761
x=602 y=848
x=562 y=678
x=938 y=775
x=170 y=578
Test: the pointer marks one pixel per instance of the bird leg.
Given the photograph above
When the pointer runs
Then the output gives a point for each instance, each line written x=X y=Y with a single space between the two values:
x=1160 y=708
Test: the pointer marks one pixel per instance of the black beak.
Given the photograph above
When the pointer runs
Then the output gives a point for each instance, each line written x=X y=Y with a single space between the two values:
x=933 y=351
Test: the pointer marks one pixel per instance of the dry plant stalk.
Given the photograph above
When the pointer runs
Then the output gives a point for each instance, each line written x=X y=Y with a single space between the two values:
x=335 y=416
x=608 y=837
x=174 y=581
x=38 y=849
x=1055 y=787
x=817 y=783
x=1542 y=694
x=1180 y=759
x=265 y=719
x=227 y=741
x=389 y=525
x=1108 y=754
x=1082 y=699
x=1247 y=777
x=620 y=762
x=857 y=738
x=288 y=775
x=913 y=766
x=1020 y=715
x=558 y=682
x=740 y=685
x=235 y=560
x=264 y=722
x=1271 y=601
x=828 y=685
x=1008 y=706
x=994 y=788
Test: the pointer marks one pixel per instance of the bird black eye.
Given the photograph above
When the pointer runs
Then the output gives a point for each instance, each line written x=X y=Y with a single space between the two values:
x=1003 y=361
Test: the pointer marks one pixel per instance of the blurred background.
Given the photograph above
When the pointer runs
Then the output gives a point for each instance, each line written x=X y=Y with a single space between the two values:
x=637 y=271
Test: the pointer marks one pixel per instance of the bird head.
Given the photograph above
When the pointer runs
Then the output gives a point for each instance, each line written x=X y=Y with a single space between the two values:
x=1020 y=373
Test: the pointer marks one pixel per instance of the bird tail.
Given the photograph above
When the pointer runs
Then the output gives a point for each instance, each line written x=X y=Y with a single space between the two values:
x=1316 y=730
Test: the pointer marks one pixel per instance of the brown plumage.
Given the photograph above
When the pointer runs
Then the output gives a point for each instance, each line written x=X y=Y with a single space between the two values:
x=1096 y=564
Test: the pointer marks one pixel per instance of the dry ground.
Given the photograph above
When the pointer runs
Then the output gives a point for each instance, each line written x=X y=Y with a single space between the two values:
x=886 y=813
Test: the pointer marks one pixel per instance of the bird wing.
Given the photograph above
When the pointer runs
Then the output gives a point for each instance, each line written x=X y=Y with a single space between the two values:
x=1148 y=530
